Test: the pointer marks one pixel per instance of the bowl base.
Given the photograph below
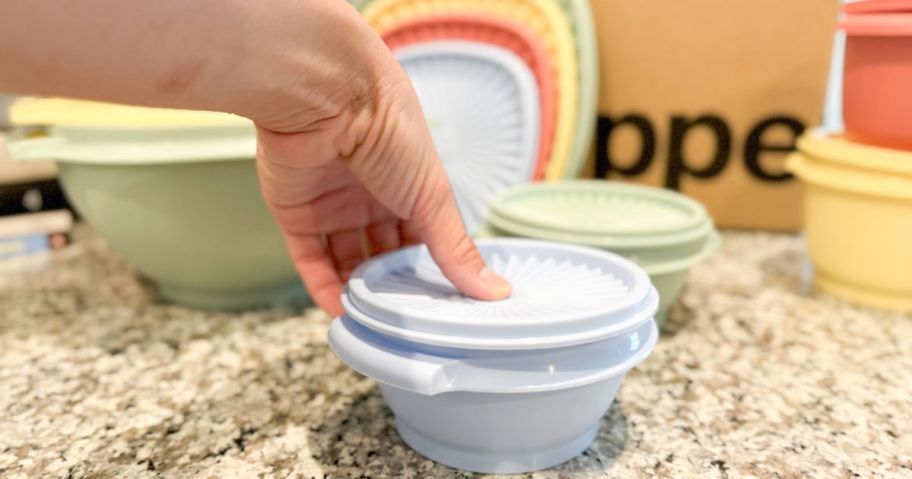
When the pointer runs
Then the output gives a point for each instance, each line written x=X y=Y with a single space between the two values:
x=864 y=296
x=290 y=295
x=495 y=462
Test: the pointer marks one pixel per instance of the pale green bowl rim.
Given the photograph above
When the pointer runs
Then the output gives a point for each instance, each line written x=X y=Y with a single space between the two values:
x=137 y=146
x=698 y=213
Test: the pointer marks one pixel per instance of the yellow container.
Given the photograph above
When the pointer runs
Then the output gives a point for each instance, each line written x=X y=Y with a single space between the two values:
x=857 y=219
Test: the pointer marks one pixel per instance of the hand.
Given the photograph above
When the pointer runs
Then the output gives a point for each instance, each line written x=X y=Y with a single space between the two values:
x=351 y=171
x=345 y=157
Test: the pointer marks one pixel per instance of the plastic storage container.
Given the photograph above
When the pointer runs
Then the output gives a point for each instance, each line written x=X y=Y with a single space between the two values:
x=504 y=386
x=664 y=232
x=501 y=33
x=857 y=219
x=175 y=192
x=877 y=100
x=544 y=17
x=481 y=104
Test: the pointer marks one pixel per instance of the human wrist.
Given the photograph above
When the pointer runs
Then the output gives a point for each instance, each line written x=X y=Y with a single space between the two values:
x=304 y=62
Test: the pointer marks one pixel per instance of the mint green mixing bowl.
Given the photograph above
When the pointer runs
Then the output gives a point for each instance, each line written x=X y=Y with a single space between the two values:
x=181 y=204
x=664 y=232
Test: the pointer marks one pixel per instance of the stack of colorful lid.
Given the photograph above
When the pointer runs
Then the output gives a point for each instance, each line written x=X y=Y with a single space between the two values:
x=174 y=191
x=508 y=87
x=858 y=195
x=664 y=232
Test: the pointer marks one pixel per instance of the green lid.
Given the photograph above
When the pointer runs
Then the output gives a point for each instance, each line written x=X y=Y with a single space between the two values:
x=136 y=145
x=648 y=248
x=579 y=13
x=600 y=208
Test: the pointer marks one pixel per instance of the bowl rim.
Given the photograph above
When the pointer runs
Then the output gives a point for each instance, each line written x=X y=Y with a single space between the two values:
x=833 y=147
x=878 y=6
x=393 y=369
x=135 y=146
x=619 y=242
x=502 y=202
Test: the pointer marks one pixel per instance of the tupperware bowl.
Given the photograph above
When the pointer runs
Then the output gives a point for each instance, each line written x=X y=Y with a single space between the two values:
x=182 y=204
x=549 y=23
x=499 y=32
x=663 y=231
x=505 y=386
x=481 y=104
x=857 y=219
x=877 y=100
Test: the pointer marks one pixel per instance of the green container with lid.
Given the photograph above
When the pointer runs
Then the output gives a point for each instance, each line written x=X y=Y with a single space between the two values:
x=180 y=201
x=664 y=232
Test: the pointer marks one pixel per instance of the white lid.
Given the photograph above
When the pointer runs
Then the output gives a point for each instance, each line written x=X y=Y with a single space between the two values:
x=481 y=104
x=562 y=295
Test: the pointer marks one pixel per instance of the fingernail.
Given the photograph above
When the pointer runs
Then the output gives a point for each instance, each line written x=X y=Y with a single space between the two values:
x=499 y=287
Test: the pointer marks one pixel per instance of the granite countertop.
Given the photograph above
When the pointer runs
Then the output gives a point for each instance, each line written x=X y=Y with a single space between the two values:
x=97 y=379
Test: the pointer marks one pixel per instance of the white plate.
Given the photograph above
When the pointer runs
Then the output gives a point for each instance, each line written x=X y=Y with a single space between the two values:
x=481 y=104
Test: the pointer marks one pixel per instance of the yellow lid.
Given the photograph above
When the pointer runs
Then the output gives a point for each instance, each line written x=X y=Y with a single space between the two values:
x=80 y=113
x=837 y=149
x=814 y=171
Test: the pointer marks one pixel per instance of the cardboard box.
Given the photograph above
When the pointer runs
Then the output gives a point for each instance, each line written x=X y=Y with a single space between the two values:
x=708 y=96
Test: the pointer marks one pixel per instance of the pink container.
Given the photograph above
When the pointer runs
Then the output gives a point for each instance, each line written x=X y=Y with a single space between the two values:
x=501 y=33
x=877 y=83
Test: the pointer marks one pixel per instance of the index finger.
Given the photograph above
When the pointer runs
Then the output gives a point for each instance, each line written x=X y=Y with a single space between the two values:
x=315 y=266
x=436 y=219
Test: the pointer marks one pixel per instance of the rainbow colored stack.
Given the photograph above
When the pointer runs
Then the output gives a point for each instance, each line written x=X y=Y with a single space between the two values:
x=508 y=87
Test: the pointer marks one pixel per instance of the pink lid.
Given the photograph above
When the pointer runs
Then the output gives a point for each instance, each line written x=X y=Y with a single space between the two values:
x=879 y=6
x=878 y=24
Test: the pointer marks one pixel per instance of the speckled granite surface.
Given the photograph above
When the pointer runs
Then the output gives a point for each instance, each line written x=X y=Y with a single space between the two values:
x=755 y=380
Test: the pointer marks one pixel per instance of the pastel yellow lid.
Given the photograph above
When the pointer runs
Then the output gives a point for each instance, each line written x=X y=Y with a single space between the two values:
x=81 y=113
x=835 y=148
x=832 y=161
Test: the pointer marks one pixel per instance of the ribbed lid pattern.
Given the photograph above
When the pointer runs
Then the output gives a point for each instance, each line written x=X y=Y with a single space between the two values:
x=543 y=286
x=481 y=104
x=562 y=294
